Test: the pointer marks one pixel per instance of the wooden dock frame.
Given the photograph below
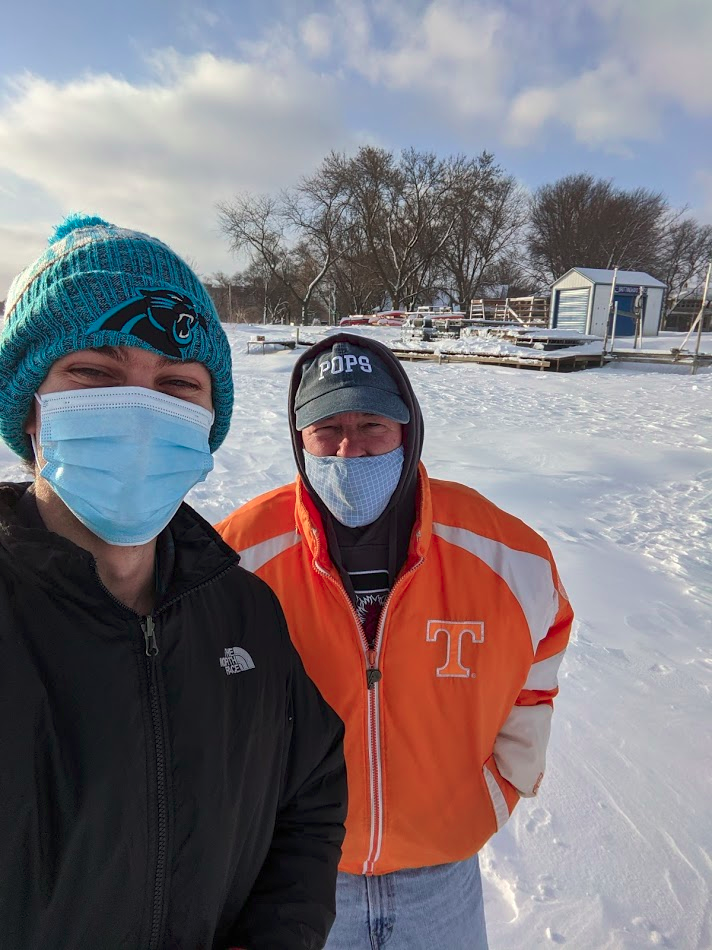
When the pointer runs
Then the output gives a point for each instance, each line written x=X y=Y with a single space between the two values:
x=261 y=342
x=661 y=357
x=291 y=343
x=562 y=364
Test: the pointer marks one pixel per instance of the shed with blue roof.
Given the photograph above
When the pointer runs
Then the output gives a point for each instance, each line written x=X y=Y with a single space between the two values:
x=580 y=300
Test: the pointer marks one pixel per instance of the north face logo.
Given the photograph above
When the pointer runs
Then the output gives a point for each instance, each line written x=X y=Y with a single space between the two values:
x=455 y=632
x=236 y=660
x=344 y=364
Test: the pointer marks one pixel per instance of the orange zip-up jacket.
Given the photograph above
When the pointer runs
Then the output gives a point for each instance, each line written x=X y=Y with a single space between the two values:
x=440 y=748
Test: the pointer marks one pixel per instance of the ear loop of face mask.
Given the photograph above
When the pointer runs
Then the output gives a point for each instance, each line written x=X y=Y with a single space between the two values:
x=33 y=436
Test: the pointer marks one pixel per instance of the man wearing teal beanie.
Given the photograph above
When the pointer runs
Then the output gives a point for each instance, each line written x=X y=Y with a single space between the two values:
x=169 y=775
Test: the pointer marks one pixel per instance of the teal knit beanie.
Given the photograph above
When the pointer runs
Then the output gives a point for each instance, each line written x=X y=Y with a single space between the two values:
x=100 y=285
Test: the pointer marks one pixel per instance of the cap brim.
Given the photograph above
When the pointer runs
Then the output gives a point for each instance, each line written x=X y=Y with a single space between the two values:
x=353 y=399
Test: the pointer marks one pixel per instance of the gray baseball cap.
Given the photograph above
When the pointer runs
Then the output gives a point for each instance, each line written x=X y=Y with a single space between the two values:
x=347 y=378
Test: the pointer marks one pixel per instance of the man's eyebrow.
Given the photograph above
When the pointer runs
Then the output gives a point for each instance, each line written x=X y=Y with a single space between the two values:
x=121 y=356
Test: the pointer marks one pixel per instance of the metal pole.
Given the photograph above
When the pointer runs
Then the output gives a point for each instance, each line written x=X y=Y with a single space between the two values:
x=613 y=332
x=701 y=318
x=613 y=293
x=609 y=315
x=693 y=325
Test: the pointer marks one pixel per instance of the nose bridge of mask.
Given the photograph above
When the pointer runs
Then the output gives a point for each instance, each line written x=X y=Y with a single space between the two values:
x=131 y=413
x=349 y=476
x=122 y=398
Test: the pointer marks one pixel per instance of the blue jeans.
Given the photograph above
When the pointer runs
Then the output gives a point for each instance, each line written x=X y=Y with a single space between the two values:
x=435 y=908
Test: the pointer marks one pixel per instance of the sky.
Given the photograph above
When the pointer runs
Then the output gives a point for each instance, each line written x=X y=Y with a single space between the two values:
x=612 y=466
x=150 y=112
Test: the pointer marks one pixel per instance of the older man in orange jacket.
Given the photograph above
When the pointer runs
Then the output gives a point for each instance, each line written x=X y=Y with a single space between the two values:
x=432 y=621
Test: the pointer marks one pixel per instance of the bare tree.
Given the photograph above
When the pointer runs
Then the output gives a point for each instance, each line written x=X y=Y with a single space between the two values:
x=685 y=250
x=395 y=215
x=270 y=291
x=290 y=235
x=580 y=220
x=356 y=282
x=509 y=276
x=487 y=210
x=226 y=292
x=358 y=287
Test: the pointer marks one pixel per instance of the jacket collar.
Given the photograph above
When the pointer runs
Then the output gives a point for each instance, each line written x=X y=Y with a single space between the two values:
x=198 y=553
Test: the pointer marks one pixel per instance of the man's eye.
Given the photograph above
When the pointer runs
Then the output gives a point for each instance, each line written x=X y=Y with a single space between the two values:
x=182 y=384
x=93 y=372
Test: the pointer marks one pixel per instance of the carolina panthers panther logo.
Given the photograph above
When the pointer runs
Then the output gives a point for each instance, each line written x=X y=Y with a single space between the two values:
x=163 y=318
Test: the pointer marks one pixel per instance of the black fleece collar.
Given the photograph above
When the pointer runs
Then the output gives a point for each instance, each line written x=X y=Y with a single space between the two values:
x=189 y=550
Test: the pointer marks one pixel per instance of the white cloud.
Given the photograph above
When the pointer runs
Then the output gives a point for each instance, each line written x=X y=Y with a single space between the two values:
x=158 y=156
x=648 y=59
x=602 y=107
x=315 y=32
x=449 y=54
x=608 y=70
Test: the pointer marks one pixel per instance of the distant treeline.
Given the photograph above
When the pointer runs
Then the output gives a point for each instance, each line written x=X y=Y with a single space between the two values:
x=380 y=230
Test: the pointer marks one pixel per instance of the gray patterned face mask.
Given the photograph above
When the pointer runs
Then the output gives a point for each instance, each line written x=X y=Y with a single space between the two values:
x=355 y=490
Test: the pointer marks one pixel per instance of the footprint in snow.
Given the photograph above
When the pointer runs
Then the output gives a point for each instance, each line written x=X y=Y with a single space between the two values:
x=545 y=890
x=539 y=818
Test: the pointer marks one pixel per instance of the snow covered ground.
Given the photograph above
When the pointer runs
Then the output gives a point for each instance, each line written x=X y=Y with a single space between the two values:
x=614 y=467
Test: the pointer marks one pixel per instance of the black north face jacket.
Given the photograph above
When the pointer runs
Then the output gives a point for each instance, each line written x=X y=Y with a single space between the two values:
x=190 y=798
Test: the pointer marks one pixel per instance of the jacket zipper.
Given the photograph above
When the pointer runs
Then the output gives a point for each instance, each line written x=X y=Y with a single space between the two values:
x=372 y=655
x=149 y=635
x=148 y=628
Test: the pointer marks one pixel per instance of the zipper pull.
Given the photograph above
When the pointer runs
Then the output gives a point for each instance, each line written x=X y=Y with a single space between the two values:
x=149 y=635
x=373 y=674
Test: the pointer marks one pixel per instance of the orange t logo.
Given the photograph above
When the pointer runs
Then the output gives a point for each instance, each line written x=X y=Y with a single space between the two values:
x=455 y=631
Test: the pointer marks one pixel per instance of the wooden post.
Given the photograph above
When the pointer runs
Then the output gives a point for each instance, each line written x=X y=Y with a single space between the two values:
x=701 y=318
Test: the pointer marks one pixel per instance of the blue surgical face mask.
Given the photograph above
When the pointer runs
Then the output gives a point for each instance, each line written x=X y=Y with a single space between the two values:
x=355 y=490
x=122 y=458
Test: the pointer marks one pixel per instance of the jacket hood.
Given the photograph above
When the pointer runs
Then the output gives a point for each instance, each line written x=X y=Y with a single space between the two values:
x=413 y=430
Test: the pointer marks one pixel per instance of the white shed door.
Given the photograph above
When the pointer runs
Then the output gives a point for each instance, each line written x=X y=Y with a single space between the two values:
x=572 y=309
